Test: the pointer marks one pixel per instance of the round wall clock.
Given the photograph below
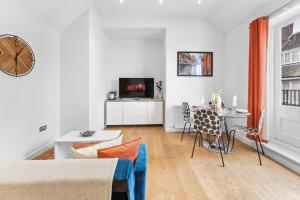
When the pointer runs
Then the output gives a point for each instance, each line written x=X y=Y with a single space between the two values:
x=16 y=56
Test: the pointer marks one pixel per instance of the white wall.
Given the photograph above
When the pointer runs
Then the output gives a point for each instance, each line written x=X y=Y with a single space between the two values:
x=183 y=35
x=191 y=36
x=99 y=45
x=83 y=87
x=74 y=92
x=236 y=62
x=134 y=59
x=28 y=102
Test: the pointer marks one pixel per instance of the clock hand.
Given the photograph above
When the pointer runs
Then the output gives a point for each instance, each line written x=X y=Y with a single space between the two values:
x=16 y=61
x=16 y=71
x=17 y=54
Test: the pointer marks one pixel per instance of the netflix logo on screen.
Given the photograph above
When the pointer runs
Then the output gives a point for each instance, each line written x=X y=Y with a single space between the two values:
x=139 y=87
x=136 y=87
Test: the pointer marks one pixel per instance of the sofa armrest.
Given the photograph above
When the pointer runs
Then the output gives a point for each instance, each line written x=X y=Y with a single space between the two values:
x=124 y=181
x=140 y=170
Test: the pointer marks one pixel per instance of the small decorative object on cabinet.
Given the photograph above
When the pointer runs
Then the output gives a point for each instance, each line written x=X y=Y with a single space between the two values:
x=159 y=86
x=112 y=95
x=16 y=56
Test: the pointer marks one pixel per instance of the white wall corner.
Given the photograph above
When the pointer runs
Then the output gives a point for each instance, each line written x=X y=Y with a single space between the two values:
x=38 y=151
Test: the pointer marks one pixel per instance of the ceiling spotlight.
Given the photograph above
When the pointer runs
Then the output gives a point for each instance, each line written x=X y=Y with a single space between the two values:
x=199 y=2
x=121 y=1
x=160 y=1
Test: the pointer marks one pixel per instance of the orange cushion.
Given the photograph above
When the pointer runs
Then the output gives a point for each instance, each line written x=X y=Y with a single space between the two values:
x=127 y=150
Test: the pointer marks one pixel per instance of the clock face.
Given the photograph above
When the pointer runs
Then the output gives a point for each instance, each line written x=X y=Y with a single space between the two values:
x=16 y=56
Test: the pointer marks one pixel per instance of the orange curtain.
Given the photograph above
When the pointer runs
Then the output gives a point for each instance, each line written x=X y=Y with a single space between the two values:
x=258 y=45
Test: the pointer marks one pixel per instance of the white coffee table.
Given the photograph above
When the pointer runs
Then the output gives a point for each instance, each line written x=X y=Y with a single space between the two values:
x=63 y=145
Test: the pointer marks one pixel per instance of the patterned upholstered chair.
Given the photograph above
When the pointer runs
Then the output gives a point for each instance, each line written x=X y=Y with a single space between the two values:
x=207 y=121
x=251 y=133
x=186 y=112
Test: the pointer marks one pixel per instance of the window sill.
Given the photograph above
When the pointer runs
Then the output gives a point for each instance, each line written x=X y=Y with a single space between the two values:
x=283 y=150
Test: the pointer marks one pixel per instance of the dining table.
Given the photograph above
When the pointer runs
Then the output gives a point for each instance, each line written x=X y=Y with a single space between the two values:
x=224 y=115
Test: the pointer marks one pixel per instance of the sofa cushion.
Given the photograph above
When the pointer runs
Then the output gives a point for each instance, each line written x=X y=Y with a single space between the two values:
x=124 y=183
x=140 y=171
x=127 y=150
x=90 y=152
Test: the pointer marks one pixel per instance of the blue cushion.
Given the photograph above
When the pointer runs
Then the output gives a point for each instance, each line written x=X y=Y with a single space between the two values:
x=140 y=170
x=134 y=175
x=124 y=172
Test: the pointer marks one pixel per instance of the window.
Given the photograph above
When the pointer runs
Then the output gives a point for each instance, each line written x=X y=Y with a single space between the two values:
x=290 y=63
x=284 y=81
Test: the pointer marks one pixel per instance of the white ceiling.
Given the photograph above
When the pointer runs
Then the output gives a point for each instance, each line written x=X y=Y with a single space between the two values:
x=56 y=13
x=135 y=33
x=223 y=13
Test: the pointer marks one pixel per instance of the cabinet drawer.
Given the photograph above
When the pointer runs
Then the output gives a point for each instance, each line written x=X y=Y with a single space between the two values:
x=134 y=113
x=135 y=109
x=135 y=120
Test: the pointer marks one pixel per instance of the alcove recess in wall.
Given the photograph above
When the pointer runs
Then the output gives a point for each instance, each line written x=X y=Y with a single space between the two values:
x=134 y=53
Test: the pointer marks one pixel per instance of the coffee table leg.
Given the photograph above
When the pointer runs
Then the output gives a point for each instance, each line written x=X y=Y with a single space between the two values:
x=62 y=151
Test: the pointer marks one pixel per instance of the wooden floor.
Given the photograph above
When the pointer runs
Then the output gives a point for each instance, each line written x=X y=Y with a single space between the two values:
x=172 y=174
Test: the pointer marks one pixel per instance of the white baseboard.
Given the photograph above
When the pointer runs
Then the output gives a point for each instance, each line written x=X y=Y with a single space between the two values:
x=38 y=151
x=173 y=130
x=274 y=152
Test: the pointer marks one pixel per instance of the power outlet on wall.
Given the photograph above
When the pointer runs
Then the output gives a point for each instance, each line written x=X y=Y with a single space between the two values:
x=43 y=128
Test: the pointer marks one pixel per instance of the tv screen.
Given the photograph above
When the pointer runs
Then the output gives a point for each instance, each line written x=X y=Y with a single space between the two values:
x=136 y=87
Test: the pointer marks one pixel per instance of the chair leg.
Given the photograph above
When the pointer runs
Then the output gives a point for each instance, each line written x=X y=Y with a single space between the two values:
x=224 y=149
x=183 y=131
x=262 y=149
x=233 y=139
x=200 y=140
x=221 y=152
x=190 y=127
x=258 y=153
x=194 y=145
x=228 y=140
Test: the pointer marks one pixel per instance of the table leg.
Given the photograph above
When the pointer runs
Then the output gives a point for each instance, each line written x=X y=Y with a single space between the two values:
x=227 y=133
x=62 y=150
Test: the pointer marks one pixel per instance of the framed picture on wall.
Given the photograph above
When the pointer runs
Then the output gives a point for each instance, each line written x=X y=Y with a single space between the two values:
x=191 y=63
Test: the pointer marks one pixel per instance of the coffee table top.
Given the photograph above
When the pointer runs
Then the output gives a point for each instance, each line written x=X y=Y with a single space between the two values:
x=99 y=136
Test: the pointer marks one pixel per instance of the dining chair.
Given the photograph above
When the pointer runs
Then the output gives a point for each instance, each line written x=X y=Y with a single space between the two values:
x=207 y=121
x=252 y=132
x=186 y=112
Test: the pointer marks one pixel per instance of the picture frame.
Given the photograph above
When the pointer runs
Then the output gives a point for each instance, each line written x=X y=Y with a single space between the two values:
x=195 y=63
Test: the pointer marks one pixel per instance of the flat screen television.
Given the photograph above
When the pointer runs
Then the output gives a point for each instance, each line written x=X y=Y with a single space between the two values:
x=136 y=87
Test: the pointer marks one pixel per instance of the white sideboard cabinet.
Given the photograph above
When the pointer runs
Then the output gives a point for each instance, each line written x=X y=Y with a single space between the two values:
x=134 y=112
